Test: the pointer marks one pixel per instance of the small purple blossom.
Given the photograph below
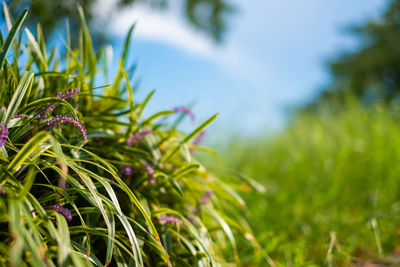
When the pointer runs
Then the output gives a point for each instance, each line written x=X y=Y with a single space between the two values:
x=138 y=136
x=69 y=94
x=191 y=219
x=42 y=116
x=186 y=110
x=50 y=107
x=164 y=219
x=63 y=211
x=196 y=211
x=63 y=184
x=21 y=116
x=2 y=191
x=3 y=134
x=126 y=170
x=197 y=141
x=150 y=172
x=206 y=197
x=58 y=120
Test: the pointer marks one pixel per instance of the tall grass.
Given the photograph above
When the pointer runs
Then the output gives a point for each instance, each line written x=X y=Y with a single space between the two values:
x=332 y=187
x=86 y=179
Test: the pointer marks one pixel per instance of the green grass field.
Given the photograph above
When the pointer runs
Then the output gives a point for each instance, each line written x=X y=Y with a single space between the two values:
x=332 y=188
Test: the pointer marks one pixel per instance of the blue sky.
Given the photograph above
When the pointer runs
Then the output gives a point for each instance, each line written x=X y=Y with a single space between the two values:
x=273 y=58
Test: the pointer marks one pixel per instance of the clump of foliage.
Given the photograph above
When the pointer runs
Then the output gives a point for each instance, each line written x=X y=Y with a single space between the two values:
x=87 y=180
x=332 y=187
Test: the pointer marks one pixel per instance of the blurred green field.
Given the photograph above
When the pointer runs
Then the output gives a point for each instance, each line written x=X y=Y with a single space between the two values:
x=332 y=184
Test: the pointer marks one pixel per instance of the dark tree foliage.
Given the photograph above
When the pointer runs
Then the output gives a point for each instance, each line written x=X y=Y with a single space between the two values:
x=208 y=16
x=372 y=73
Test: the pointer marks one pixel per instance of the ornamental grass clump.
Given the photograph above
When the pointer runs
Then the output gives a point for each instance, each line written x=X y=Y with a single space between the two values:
x=87 y=180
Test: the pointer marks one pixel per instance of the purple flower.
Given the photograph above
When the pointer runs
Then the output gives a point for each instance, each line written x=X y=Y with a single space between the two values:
x=2 y=191
x=126 y=170
x=3 y=134
x=58 y=120
x=50 y=107
x=150 y=172
x=138 y=136
x=68 y=94
x=164 y=219
x=196 y=211
x=63 y=211
x=206 y=197
x=20 y=116
x=191 y=219
x=197 y=141
x=42 y=116
x=63 y=184
x=186 y=110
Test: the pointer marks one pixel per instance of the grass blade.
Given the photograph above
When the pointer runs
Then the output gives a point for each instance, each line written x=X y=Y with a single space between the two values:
x=24 y=86
x=11 y=36
x=27 y=150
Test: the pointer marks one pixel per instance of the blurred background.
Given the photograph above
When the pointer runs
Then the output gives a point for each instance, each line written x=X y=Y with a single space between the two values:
x=308 y=96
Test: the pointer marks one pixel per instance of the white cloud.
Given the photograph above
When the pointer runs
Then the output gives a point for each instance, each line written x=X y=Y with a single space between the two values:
x=168 y=27
x=159 y=26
